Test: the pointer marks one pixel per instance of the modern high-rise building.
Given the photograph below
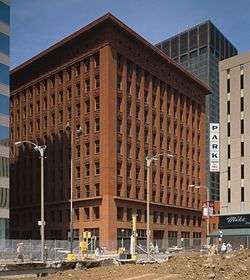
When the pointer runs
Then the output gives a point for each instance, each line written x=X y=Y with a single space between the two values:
x=131 y=101
x=4 y=116
x=199 y=49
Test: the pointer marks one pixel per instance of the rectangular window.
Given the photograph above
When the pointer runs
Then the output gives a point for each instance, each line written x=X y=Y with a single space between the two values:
x=68 y=74
x=4 y=74
x=60 y=116
x=77 y=213
x=97 y=81
x=69 y=94
x=4 y=132
x=228 y=85
x=87 y=192
x=241 y=81
x=86 y=213
x=242 y=126
x=242 y=194
x=97 y=189
x=78 y=110
x=229 y=195
x=4 y=43
x=87 y=149
x=129 y=214
x=97 y=168
x=96 y=60
x=228 y=151
x=139 y=215
x=78 y=172
x=228 y=173
x=86 y=64
x=242 y=149
x=4 y=168
x=87 y=127
x=97 y=125
x=228 y=107
x=87 y=106
x=120 y=213
x=97 y=146
x=242 y=171
x=97 y=103
x=96 y=213
x=60 y=97
x=4 y=103
x=78 y=151
x=69 y=113
x=4 y=12
x=78 y=90
x=228 y=129
x=87 y=85
x=87 y=171
x=242 y=104
x=77 y=70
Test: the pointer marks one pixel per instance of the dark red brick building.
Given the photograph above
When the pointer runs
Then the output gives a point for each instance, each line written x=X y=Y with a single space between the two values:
x=131 y=101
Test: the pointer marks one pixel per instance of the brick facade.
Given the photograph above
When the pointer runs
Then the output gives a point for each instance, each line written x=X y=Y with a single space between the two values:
x=131 y=101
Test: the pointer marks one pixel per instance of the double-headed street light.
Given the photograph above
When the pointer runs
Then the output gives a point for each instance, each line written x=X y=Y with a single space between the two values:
x=41 y=150
x=149 y=160
x=78 y=131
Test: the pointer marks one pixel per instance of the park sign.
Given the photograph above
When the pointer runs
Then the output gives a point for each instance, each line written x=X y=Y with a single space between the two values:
x=214 y=147
x=234 y=221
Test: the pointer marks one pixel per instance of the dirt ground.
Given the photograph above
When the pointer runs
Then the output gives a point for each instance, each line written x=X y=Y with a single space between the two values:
x=192 y=266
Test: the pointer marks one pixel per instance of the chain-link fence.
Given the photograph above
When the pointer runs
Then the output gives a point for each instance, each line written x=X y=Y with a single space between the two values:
x=30 y=250
x=57 y=250
x=185 y=244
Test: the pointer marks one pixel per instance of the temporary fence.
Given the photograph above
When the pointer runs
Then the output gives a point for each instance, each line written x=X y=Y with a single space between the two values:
x=31 y=249
x=57 y=250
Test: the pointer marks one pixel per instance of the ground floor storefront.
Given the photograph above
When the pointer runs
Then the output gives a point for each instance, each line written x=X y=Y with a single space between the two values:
x=233 y=229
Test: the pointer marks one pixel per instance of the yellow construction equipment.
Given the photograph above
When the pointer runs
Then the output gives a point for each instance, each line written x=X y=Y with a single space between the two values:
x=71 y=257
x=86 y=236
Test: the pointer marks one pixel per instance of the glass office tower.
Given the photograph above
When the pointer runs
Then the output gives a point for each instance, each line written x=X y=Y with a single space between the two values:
x=4 y=117
x=199 y=49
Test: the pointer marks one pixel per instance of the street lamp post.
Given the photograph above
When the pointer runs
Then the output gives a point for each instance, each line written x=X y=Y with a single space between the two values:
x=148 y=162
x=41 y=150
x=78 y=131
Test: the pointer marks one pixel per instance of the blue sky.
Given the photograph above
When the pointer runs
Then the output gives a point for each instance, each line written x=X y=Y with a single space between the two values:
x=37 y=24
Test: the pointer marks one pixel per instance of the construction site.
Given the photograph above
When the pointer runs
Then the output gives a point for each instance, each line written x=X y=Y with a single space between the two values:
x=181 y=265
x=84 y=260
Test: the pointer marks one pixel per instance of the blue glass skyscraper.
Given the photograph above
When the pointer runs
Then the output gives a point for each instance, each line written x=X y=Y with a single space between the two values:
x=4 y=116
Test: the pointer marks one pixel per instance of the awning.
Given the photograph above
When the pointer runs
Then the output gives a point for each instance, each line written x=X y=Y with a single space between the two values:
x=231 y=232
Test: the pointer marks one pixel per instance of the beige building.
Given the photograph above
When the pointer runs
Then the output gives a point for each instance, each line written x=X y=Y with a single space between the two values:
x=235 y=135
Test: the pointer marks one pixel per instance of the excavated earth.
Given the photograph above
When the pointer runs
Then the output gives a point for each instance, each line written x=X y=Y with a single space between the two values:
x=185 y=266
